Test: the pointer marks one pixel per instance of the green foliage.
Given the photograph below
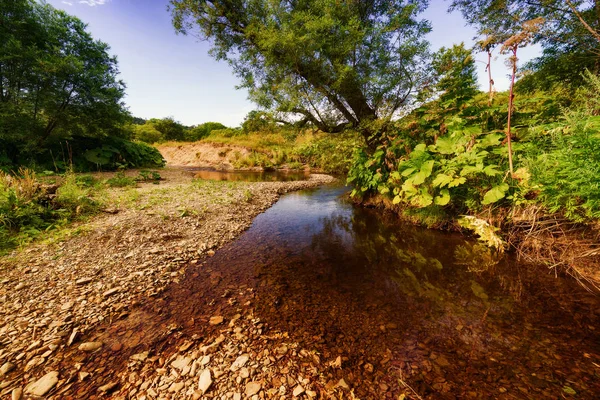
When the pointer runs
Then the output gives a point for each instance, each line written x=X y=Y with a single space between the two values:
x=168 y=128
x=456 y=76
x=334 y=64
x=202 y=131
x=148 y=133
x=26 y=210
x=258 y=121
x=330 y=153
x=120 y=180
x=57 y=82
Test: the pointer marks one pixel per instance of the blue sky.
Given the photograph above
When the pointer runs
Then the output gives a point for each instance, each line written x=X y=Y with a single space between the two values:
x=173 y=75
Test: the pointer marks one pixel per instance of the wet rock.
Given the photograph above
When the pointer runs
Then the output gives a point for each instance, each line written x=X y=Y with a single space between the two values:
x=205 y=381
x=43 y=385
x=90 y=346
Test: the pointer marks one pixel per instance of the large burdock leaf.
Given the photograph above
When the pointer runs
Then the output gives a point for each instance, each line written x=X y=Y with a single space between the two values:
x=494 y=194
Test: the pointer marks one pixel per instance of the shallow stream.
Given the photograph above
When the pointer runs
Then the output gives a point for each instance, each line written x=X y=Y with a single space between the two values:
x=421 y=308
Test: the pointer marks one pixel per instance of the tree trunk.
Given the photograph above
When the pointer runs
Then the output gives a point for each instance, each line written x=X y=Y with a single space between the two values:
x=511 y=97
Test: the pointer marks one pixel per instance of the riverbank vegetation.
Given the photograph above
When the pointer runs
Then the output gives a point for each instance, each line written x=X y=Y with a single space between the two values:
x=436 y=148
x=61 y=102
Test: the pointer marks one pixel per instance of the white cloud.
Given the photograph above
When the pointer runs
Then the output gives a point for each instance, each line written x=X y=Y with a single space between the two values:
x=67 y=3
x=93 y=3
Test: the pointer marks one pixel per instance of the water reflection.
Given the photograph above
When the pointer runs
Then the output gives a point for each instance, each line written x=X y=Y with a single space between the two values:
x=455 y=319
x=428 y=308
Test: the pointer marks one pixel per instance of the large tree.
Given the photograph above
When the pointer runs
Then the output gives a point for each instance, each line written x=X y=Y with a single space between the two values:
x=333 y=63
x=55 y=79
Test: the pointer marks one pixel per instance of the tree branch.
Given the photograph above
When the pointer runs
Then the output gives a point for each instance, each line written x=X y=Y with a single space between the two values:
x=595 y=34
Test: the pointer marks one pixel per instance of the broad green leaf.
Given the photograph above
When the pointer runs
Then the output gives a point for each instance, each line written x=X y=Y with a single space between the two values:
x=397 y=200
x=422 y=199
x=443 y=198
x=494 y=194
x=395 y=175
x=408 y=171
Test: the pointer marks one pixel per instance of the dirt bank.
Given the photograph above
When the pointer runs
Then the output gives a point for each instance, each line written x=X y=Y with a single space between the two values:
x=60 y=295
x=203 y=155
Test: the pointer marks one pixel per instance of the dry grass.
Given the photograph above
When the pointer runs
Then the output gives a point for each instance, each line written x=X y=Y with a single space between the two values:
x=557 y=242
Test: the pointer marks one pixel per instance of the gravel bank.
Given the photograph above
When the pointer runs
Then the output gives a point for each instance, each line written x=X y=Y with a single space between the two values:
x=55 y=296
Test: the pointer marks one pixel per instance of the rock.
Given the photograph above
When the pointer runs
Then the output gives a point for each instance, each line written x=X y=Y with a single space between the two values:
x=298 y=390
x=109 y=387
x=252 y=388
x=110 y=292
x=6 y=368
x=239 y=362
x=237 y=396
x=83 y=376
x=16 y=394
x=368 y=367
x=176 y=387
x=205 y=381
x=181 y=362
x=20 y=286
x=205 y=360
x=90 y=346
x=73 y=337
x=140 y=356
x=342 y=383
x=43 y=385
x=337 y=363
x=216 y=320
x=83 y=281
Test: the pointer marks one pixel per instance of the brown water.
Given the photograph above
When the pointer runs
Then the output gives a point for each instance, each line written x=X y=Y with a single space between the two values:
x=248 y=176
x=419 y=305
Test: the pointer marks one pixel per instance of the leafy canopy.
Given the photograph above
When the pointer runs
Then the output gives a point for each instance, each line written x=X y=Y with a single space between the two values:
x=333 y=63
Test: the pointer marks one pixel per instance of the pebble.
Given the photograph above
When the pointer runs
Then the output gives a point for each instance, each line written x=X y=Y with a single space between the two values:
x=239 y=362
x=43 y=385
x=90 y=346
x=298 y=390
x=216 y=320
x=6 y=368
x=110 y=292
x=16 y=394
x=252 y=388
x=109 y=387
x=205 y=381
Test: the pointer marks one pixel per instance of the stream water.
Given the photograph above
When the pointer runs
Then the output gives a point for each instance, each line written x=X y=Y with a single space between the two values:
x=425 y=308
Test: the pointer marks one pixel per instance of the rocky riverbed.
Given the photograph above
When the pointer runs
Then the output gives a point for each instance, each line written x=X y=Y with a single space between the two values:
x=73 y=319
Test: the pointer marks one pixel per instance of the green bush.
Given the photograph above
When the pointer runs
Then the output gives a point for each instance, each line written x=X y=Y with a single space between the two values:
x=330 y=153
